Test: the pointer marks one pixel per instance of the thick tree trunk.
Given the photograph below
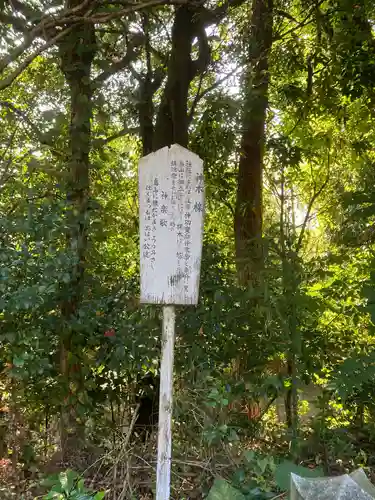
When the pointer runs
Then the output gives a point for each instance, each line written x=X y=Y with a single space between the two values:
x=146 y=113
x=248 y=214
x=172 y=119
x=77 y=51
x=147 y=90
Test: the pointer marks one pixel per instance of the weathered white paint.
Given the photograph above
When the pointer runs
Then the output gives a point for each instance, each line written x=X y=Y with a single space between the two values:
x=171 y=204
x=163 y=471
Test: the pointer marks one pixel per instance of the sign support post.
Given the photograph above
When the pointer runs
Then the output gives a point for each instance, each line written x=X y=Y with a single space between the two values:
x=171 y=206
x=163 y=471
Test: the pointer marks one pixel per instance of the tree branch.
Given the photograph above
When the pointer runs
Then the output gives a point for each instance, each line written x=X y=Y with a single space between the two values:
x=117 y=135
x=9 y=144
x=282 y=13
x=17 y=24
x=131 y=55
x=102 y=17
x=197 y=98
x=15 y=53
x=78 y=8
x=157 y=79
x=30 y=13
x=68 y=17
x=200 y=65
x=28 y=200
x=146 y=30
x=40 y=136
x=200 y=94
x=6 y=82
x=229 y=205
x=23 y=115
x=303 y=23
x=135 y=73
x=114 y=68
x=6 y=165
x=209 y=17
x=138 y=6
x=314 y=197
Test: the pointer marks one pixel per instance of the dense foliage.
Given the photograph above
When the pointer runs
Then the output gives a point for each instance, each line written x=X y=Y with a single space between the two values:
x=277 y=98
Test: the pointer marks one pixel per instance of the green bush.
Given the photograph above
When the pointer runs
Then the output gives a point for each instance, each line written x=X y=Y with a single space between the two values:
x=69 y=486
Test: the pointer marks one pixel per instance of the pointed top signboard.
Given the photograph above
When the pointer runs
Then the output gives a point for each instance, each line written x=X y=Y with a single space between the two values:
x=171 y=204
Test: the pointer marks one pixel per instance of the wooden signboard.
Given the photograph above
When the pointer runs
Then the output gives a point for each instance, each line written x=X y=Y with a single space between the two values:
x=171 y=203
x=171 y=206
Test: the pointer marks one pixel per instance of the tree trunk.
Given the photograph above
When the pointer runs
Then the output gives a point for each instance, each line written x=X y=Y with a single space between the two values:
x=147 y=90
x=172 y=119
x=290 y=289
x=146 y=113
x=77 y=51
x=248 y=213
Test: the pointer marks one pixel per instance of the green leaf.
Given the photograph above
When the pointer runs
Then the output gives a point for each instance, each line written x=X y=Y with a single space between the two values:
x=222 y=490
x=100 y=495
x=239 y=476
x=50 y=480
x=66 y=278
x=52 y=495
x=283 y=471
x=67 y=480
x=233 y=436
x=262 y=464
x=249 y=456
x=212 y=404
x=18 y=361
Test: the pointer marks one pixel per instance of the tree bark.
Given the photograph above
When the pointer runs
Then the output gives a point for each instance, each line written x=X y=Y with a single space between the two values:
x=172 y=120
x=77 y=51
x=147 y=91
x=248 y=213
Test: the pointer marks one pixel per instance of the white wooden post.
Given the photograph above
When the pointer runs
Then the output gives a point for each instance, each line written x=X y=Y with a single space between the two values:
x=171 y=205
x=163 y=472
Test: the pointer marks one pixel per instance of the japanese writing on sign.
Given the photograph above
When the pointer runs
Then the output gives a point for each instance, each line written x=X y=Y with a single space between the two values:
x=171 y=204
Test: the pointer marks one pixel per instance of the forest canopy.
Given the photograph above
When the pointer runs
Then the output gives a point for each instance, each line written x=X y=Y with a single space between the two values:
x=277 y=98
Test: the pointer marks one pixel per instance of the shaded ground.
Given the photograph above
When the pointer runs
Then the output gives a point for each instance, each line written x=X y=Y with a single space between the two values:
x=130 y=473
